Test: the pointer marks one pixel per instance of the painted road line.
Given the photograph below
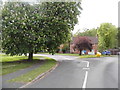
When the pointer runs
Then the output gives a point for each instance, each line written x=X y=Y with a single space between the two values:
x=85 y=80
x=86 y=74
x=69 y=58
x=86 y=68
x=88 y=64
x=64 y=57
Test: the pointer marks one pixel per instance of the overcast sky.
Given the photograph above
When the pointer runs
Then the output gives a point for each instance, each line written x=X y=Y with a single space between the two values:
x=96 y=12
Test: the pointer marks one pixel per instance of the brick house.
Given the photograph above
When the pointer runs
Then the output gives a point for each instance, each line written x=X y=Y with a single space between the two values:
x=94 y=41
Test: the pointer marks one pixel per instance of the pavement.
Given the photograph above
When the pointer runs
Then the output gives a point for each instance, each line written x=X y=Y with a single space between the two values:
x=5 y=78
x=74 y=72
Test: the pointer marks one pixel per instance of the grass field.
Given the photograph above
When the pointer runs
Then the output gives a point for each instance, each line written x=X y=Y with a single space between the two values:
x=14 y=63
x=82 y=56
x=67 y=54
x=34 y=73
x=7 y=58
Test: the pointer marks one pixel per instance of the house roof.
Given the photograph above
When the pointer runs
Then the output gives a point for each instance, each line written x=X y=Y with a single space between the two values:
x=94 y=40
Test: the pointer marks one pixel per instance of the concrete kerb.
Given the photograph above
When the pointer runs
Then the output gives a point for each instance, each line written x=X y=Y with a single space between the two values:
x=41 y=75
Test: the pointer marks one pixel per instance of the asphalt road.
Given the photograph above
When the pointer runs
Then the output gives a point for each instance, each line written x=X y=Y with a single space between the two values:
x=74 y=72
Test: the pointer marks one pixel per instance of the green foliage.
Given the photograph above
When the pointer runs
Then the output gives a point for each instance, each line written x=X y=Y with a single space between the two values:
x=118 y=37
x=107 y=34
x=31 y=28
x=0 y=42
x=18 y=28
x=66 y=48
x=91 y=32
x=62 y=11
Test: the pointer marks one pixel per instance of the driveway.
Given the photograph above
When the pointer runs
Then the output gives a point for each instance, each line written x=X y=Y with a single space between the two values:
x=74 y=72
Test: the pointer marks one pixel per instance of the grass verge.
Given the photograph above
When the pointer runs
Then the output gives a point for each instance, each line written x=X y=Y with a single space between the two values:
x=14 y=63
x=92 y=56
x=67 y=54
x=29 y=76
x=7 y=58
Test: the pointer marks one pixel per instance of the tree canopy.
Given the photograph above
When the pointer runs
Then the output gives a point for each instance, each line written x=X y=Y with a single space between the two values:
x=107 y=34
x=31 y=28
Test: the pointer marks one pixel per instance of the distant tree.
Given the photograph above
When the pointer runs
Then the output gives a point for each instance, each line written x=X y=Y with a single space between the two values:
x=0 y=41
x=65 y=48
x=0 y=34
x=107 y=34
x=82 y=43
x=118 y=37
x=88 y=32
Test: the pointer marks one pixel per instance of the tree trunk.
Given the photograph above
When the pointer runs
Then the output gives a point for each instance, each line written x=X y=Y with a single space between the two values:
x=80 y=52
x=30 y=57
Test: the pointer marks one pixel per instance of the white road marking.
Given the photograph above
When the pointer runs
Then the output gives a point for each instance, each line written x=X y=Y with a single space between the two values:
x=85 y=80
x=65 y=57
x=86 y=74
x=88 y=64
x=86 y=68
x=68 y=58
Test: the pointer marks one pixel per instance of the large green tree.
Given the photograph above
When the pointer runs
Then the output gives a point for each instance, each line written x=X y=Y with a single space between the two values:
x=20 y=29
x=107 y=34
x=65 y=12
x=30 y=28
x=62 y=11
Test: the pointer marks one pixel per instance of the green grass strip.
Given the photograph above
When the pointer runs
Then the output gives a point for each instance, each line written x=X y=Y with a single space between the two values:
x=7 y=58
x=14 y=65
x=93 y=56
x=67 y=54
x=29 y=76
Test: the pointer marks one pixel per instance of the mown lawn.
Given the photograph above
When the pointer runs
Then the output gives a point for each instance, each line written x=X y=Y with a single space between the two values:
x=67 y=54
x=14 y=63
x=34 y=73
x=7 y=58
x=81 y=56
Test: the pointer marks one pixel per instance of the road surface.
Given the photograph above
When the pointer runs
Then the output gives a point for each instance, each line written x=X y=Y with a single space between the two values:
x=74 y=72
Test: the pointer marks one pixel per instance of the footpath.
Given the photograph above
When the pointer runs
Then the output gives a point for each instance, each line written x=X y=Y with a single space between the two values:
x=5 y=78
